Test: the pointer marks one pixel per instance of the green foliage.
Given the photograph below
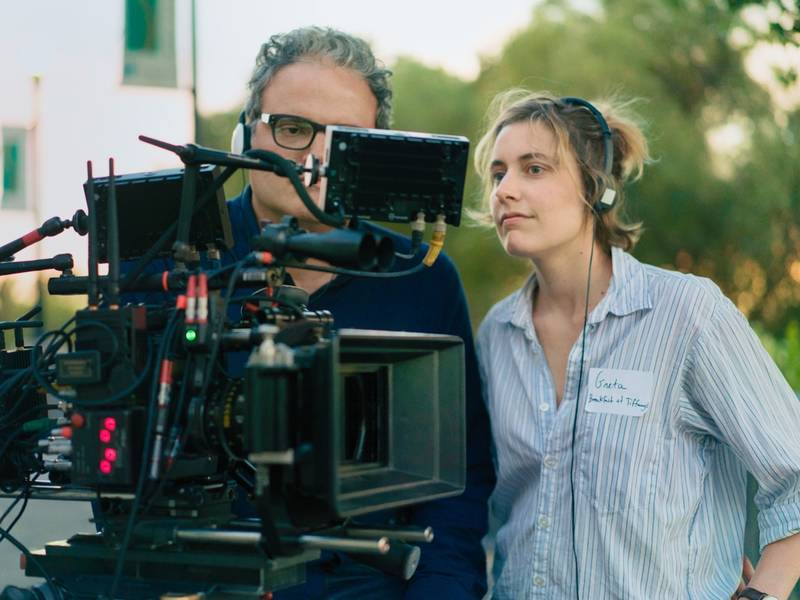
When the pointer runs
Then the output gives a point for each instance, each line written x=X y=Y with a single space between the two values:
x=783 y=19
x=215 y=132
x=724 y=212
x=785 y=351
x=430 y=99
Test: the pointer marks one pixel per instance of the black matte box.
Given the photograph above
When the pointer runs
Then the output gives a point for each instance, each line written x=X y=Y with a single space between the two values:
x=425 y=432
x=411 y=411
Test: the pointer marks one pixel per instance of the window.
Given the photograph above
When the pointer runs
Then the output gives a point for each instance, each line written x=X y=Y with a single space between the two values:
x=14 y=163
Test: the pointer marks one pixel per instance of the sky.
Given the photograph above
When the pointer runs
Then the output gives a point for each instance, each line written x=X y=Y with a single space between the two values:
x=449 y=34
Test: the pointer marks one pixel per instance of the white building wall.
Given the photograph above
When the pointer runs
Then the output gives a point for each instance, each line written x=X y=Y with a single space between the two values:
x=85 y=113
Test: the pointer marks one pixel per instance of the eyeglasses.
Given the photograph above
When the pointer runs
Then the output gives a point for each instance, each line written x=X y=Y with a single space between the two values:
x=292 y=132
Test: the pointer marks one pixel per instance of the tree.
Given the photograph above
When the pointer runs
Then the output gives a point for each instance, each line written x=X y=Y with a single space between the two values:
x=721 y=211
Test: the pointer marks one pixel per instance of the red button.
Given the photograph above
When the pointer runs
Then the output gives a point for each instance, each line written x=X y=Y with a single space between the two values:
x=105 y=467
x=78 y=420
x=105 y=436
x=110 y=423
x=110 y=454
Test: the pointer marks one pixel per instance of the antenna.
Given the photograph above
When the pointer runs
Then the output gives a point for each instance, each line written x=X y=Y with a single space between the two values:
x=91 y=207
x=113 y=239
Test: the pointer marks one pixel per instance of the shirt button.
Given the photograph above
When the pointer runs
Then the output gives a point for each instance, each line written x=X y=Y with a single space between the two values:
x=538 y=581
x=544 y=407
x=550 y=462
x=544 y=522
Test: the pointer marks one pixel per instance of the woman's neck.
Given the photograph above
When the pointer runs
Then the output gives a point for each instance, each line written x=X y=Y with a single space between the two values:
x=562 y=277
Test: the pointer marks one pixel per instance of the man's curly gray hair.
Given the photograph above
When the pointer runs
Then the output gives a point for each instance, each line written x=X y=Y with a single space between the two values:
x=341 y=48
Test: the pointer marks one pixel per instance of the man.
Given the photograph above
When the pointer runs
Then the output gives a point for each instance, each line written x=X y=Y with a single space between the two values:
x=324 y=77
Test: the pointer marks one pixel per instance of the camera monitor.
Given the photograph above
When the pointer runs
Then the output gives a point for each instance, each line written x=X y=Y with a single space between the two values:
x=148 y=203
x=388 y=175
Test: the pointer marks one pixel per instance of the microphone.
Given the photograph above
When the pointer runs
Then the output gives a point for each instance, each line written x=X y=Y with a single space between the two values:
x=192 y=154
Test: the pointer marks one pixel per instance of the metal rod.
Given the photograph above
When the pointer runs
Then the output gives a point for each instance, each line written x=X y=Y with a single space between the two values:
x=405 y=535
x=60 y=262
x=320 y=542
x=235 y=538
x=253 y=538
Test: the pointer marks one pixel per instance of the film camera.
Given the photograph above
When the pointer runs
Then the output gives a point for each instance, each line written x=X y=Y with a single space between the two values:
x=222 y=389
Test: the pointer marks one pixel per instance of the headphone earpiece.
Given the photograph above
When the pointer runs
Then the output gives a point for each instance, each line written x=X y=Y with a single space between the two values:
x=240 y=138
x=606 y=201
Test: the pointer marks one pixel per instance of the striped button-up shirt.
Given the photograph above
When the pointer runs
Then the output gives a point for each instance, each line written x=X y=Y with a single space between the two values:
x=659 y=481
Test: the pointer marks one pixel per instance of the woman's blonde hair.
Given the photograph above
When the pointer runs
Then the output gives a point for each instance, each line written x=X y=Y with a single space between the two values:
x=576 y=131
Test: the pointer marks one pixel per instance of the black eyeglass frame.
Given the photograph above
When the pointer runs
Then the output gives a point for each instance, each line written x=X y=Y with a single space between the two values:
x=271 y=118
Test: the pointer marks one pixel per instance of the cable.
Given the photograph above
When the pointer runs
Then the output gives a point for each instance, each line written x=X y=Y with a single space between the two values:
x=151 y=409
x=12 y=381
x=437 y=241
x=296 y=309
x=221 y=270
x=11 y=507
x=178 y=412
x=148 y=435
x=57 y=588
x=217 y=338
x=288 y=169
x=25 y=495
x=339 y=271
x=101 y=325
x=417 y=233
x=217 y=333
x=9 y=384
x=128 y=390
x=10 y=439
x=73 y=400
x=575 y=419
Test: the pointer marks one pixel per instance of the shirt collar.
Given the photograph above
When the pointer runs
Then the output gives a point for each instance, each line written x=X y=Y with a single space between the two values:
x=628 y=293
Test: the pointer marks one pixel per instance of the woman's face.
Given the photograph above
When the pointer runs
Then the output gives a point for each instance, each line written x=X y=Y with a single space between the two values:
x=537 y=200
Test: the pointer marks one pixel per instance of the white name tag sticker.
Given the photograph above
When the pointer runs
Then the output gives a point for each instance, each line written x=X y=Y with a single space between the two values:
x=619 y=392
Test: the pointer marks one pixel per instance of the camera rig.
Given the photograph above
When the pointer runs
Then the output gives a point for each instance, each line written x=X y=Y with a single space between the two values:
x=232 y=392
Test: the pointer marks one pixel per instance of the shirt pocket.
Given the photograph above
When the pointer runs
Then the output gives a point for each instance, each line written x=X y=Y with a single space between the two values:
x=618 y=459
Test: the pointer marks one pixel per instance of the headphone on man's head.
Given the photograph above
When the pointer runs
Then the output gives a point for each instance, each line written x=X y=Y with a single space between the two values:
x=606 y=201
x=240 y=138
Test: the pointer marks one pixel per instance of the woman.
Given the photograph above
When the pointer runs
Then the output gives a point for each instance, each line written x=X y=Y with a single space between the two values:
x=640 y=491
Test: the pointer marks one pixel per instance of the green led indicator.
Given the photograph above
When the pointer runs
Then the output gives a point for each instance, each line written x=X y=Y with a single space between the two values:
x=191 y=335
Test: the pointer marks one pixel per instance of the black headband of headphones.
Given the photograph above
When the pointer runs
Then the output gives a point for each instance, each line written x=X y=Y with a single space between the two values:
x=606 y=201
x=608 y=148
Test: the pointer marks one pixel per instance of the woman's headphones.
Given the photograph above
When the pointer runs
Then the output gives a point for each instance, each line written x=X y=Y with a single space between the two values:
x=606 y=201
